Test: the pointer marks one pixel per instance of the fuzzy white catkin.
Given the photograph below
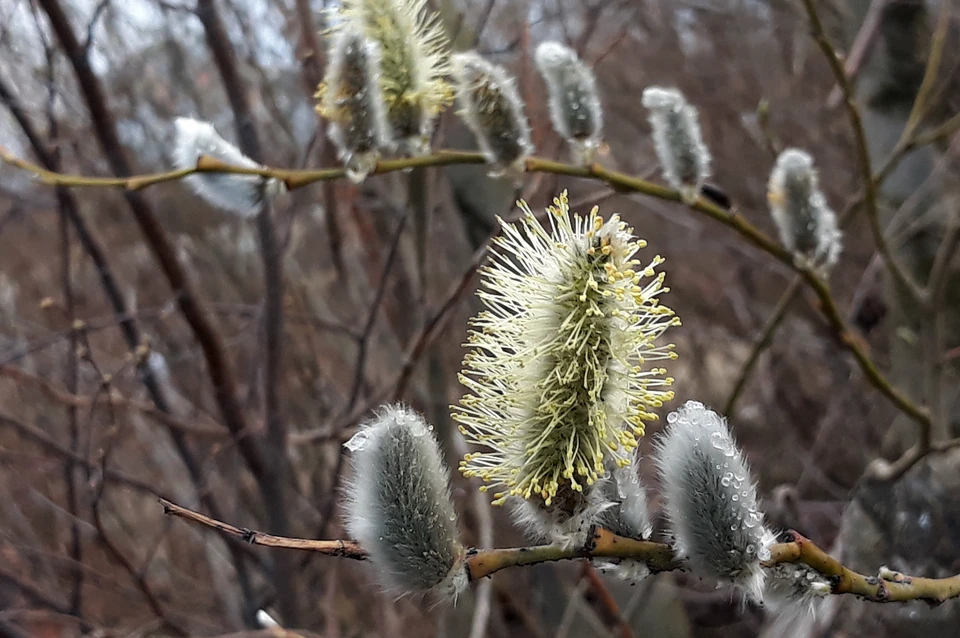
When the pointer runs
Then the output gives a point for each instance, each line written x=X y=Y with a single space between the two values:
x=569 y=526
x=492 y=108
x=399 y=508
x=792 y=591
x=806 y=223
x=618 y=503
x=627 y=515
x=574 y=101
x=354 y=101
x=711 y=499
x=240 y=194
x=684 y=158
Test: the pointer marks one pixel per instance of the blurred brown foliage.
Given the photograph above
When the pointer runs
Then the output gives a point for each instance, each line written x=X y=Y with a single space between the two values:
x=375 y=297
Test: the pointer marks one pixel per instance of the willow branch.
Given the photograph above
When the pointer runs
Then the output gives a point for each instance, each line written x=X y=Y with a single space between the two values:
x=345 y=549
x=762 y=342
x=903 y=278
x=888 y=586
x=618 y=181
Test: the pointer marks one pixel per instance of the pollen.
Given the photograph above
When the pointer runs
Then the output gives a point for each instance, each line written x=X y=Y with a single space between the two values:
x=561 y=374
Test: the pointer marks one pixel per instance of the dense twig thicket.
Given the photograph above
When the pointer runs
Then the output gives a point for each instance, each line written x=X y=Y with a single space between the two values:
x=568 y=362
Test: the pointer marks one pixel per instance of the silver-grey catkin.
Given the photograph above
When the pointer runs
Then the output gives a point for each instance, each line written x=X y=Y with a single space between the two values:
x=684 y=158
x=353 y=101
x=492 y=108
x=710 y=499
x=243 y=195
x=806 y=223
x=574 y=102
x=565 y=522
x=793 y=591
x=627 y=515
x=617 y=502
x=399 y=508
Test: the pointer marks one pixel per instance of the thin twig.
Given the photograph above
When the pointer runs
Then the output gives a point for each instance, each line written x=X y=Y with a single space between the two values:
x=606 y=600
x=762 y=342
x=902 y=277
x=601 y=543
x=366 y=333
x=271 y=480
x=73 y=401
x=346 y=549
x=619 y=181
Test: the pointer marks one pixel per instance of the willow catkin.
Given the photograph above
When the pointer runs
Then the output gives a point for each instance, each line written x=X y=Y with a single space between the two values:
x=399 y=506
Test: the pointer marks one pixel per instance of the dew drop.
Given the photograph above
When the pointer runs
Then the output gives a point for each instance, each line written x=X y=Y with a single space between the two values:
x=357 y=441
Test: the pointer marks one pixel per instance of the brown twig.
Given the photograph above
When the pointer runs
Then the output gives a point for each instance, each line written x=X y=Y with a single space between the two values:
x=74 y=401
x=49 y=445
x=901 y=276
x=271 y=479
x=619 y=181
x=345 y=549
x=606 y=601
x=762 y=342
x=601 y=543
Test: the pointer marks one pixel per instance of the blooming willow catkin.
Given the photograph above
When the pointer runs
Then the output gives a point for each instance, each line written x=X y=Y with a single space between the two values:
x=413 y=64
x=710 y=499
x=684 y=158
x=807 y=225
x=353 y=102
x=575 y=108
x=492 y=108
x=399 y=507
x=243 y=195
x=559 y=377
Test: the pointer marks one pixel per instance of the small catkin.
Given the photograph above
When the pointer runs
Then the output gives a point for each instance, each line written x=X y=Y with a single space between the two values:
x=574 y=101
x=792 y=591
x=399 y=506
x=807 y=225
x=414 y=63
x=492 y=108
x=352 y=100
x=711 y=500
x=627 y=516
x=684 y=158
x=243 y=195
x=565 y=522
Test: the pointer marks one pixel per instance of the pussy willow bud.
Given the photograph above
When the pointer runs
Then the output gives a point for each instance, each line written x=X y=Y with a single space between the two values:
x=793 y=590
x=565 y=522
x=492 y=108
x=807 y=225
x=353 y=102
x=240 y=194
x=399 y=506
x=561 y=377
x=575 y=108
x=684 y=158
x=413 y=65
x=627 y=516
x=711 y=500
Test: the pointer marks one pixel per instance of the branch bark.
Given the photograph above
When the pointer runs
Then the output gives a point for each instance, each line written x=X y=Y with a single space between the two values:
x=887 y=586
